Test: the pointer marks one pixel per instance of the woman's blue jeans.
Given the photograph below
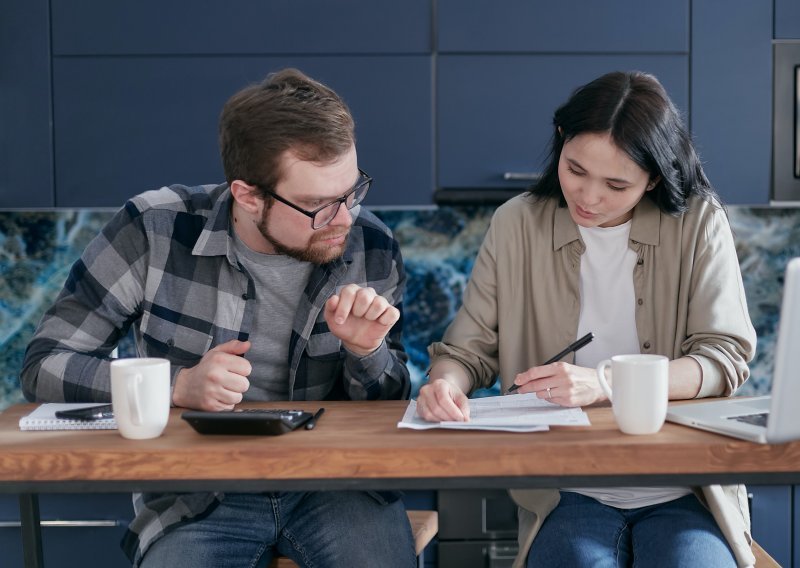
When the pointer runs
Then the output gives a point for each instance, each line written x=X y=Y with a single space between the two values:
x=324 y=529
x=582 y=532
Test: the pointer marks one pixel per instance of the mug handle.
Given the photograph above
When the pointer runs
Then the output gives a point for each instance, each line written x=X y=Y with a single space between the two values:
x=601 y=376
x=134 y=400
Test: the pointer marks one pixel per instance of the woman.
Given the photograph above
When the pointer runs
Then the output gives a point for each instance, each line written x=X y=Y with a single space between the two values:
x=623 y=236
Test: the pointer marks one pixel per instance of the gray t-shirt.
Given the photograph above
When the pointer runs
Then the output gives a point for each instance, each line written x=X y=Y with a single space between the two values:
x=279 y=283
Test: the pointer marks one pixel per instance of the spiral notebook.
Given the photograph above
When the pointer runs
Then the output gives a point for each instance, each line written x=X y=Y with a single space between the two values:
x=44 y=418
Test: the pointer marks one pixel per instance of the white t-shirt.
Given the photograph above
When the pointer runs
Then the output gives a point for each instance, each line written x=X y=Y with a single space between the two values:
x=608 y=309
x=608 y=304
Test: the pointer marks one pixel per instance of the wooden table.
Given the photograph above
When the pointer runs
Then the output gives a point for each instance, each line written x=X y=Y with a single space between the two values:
x=358 y=445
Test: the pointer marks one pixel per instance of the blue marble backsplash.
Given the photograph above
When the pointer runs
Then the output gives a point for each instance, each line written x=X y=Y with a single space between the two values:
x=439 y=246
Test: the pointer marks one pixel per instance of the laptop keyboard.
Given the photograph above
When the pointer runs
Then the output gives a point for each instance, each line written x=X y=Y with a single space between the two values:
x=754 y=419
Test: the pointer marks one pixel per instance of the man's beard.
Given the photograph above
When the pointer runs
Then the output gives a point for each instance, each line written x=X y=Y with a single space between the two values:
x=311 y=253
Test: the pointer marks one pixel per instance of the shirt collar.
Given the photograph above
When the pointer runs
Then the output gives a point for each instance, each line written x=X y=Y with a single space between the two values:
x=215 y=238
x=564 y=228
x=646 y=226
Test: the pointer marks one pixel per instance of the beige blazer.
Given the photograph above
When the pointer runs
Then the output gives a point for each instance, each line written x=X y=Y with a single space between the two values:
x=522 y=304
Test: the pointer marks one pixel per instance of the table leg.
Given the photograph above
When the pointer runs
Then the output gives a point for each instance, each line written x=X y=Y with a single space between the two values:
x=31 y=530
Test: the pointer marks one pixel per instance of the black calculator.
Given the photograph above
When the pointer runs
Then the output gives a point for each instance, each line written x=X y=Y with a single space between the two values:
x=247 y=421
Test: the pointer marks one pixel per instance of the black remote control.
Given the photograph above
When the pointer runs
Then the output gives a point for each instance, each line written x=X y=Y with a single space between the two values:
x=247 y=421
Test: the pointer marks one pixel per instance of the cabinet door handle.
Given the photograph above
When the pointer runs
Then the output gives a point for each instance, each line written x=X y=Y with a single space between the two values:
x=523 y=176
x=74 y=524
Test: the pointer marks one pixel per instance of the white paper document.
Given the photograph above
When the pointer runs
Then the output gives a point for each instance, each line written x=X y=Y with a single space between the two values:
x=512 y=413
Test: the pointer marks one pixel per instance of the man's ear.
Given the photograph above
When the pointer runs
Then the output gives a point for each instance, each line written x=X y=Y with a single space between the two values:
x=246 y=196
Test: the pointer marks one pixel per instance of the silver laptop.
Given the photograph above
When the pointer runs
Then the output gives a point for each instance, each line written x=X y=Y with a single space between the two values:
x=763 y=419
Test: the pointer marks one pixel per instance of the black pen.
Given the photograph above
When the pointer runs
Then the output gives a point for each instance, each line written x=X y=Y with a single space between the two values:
x=313 y=422
x=583 y=341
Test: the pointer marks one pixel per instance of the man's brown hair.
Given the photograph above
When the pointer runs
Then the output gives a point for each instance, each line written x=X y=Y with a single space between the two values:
x=287 y=111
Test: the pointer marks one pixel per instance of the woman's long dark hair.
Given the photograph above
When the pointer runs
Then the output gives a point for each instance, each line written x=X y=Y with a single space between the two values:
x=635 y=110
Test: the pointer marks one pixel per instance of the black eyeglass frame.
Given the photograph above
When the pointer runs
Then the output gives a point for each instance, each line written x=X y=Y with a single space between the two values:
x=365 y=180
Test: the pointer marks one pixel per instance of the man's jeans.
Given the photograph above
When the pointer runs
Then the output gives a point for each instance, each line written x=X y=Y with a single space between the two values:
x=581 y=531
x=323 y=529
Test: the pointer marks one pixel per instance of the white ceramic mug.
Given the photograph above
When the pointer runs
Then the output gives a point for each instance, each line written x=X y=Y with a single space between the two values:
x=140 y=395
x=640 y=391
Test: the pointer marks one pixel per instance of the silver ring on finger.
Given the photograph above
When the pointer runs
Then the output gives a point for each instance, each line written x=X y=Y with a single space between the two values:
x=549 y=396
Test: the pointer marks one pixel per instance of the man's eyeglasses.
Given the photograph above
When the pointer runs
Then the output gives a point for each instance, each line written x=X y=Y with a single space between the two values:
x=323 y=215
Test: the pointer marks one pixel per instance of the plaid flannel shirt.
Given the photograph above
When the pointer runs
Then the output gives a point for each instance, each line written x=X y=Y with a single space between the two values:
x=165 y=265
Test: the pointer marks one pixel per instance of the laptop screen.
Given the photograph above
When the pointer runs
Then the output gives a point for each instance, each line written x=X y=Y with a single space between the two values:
x=784 y=422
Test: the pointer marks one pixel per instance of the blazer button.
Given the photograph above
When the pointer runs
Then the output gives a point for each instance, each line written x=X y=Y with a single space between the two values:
x=640 y=301
x=244 y=296
x=646 y=345
x=640 y=261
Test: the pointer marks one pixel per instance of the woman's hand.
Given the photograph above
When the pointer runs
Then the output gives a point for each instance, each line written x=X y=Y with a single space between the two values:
x=441 y=400
x=562 y=383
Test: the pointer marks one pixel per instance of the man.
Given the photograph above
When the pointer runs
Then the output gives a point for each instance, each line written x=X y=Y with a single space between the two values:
x=273 y=286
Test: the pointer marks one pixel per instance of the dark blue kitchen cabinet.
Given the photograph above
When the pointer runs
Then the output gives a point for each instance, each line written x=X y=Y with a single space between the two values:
x=731 y=104
x=503 y=69
x=153 y=27
x=100 y=99
x=139 y=88
x=127 y=125
x=787 y=19
x=26 y=158
x=771 y=519
x=78 y=530
x=796 y=525
x=567 y=26
x=491 y=120
x=494 y=112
